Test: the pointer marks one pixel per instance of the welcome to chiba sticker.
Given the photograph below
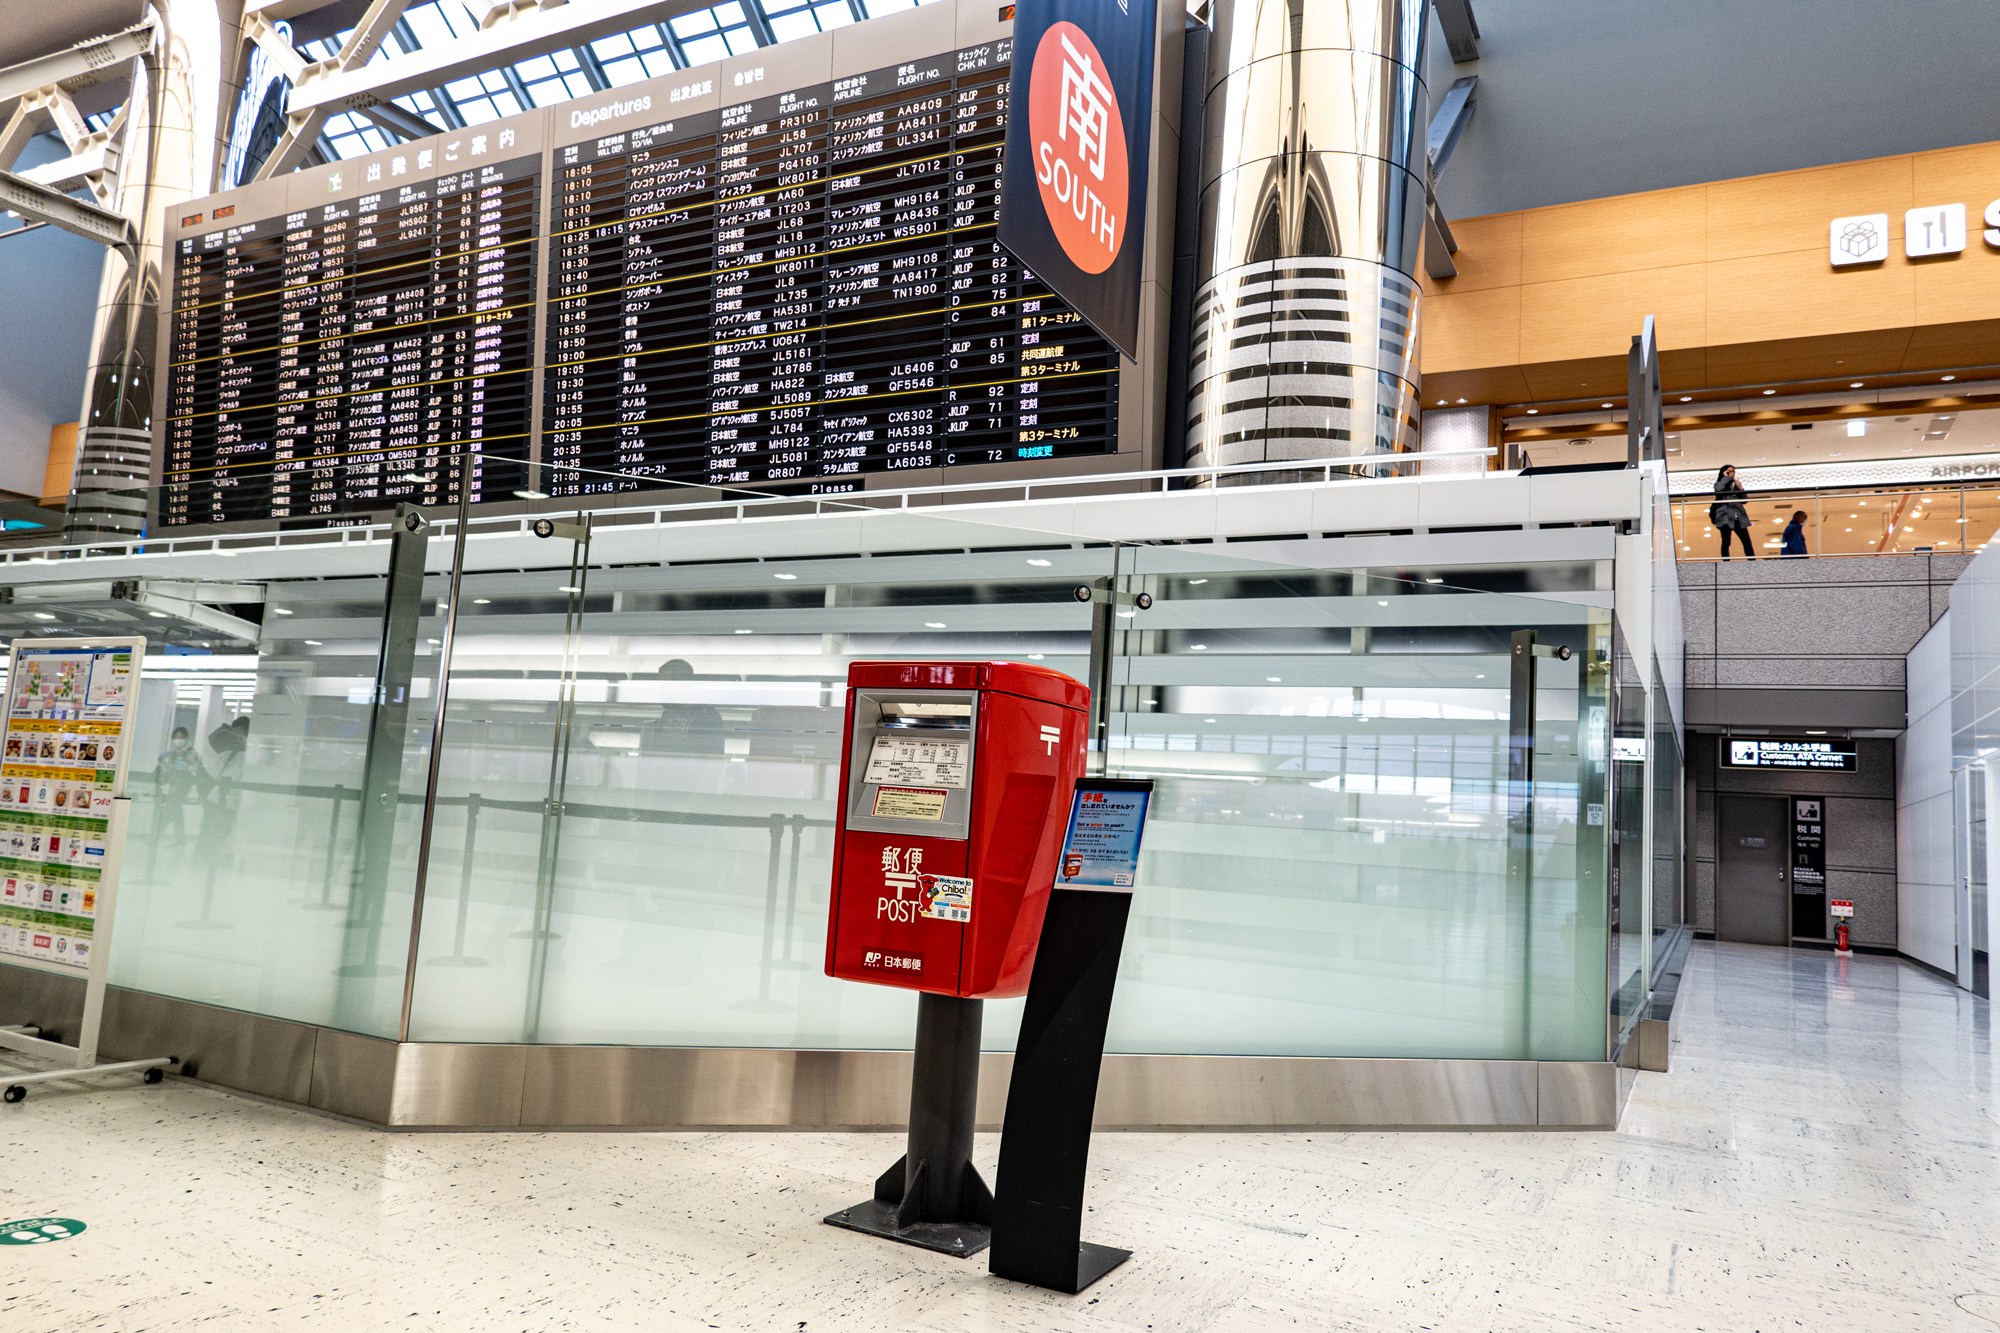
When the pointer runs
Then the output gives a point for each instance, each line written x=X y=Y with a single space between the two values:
x=1080 y=153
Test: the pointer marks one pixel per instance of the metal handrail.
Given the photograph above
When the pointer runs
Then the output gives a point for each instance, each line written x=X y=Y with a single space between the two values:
x=739 y=507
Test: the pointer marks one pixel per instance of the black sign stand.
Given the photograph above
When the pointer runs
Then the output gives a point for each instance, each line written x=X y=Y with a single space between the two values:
x=933 y=1196
x=1045 y=1145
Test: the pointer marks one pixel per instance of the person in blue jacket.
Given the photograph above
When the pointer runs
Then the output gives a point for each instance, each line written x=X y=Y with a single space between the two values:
x=1795 y=536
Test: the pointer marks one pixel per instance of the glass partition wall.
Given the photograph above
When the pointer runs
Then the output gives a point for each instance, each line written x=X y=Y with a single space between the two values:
x=1330 y=868
x=621 y=830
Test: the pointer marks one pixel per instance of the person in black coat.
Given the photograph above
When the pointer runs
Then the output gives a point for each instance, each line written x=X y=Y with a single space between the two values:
x=1728 y=514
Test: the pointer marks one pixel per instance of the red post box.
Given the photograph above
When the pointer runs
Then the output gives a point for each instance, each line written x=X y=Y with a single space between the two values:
x=956 y=777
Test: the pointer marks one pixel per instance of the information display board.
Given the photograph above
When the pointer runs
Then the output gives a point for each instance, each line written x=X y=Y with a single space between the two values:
x=776 y=272
x=800 y=284
x=1107 y=824
x=63 y=759
x=331 y=358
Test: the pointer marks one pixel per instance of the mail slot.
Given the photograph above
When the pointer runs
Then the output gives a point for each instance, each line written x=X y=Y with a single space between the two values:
x=955 y=780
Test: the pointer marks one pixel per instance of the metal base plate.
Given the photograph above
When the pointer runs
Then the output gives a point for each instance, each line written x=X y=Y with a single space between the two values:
x=879 y=1219
x=1092 y=1263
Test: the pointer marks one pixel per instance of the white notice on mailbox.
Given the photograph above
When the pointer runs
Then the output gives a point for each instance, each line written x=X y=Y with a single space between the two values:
x=908 y=762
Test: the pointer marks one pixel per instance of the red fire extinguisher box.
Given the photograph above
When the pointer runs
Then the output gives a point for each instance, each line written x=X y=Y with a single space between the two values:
x=955 y=779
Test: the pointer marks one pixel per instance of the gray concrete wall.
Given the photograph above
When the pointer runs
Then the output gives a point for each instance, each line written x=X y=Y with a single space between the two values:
x=1860 y=830
x=1580 y=100
x=1808 y=643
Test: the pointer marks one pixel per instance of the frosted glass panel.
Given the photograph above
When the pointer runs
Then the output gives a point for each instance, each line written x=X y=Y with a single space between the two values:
x=245 y=885
x=679 y=894
x=1327 y=868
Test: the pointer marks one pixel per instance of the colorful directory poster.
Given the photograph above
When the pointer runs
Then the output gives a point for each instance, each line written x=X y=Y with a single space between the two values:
x=1107 y=822
x=62 y=762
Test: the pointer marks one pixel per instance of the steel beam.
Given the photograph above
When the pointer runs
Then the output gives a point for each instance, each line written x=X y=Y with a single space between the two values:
x=42 y=204
x=19 y=129
x=326 y=89
x=1439 y=245
x=85 y=63
x=1461 y=29
x=369 y=34
x=301 y=136
x=69 y=172
x=1454 y=113
x=400 y=121
x=276 y=49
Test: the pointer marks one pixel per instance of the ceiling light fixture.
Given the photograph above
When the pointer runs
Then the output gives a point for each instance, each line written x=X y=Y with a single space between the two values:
x=786 y=577
x=482 y=601
x=746 y=631
x=1039 y=563
x=1769 y=392
x=1534 y=411
x=1856 y=385
x=935 y=624
x=1949 y=378
x=279 y=610
x=1275 y=680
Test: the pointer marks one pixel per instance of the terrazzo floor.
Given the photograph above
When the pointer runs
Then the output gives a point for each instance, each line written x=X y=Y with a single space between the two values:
x=1825 y=1155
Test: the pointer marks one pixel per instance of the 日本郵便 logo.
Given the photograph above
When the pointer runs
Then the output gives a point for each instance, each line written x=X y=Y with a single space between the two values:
x=1079 y=145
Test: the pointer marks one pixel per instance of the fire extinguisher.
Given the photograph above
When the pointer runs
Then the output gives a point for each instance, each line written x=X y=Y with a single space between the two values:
x=1840 y=936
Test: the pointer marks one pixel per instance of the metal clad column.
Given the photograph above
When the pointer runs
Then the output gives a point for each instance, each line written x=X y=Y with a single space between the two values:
x=1304 y=337
x=170 y=147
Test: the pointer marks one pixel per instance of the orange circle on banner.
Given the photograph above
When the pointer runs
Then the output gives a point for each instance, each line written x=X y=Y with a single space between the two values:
x=1078 y=138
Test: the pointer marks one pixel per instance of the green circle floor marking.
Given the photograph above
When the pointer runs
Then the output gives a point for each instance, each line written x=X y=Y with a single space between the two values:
x=38 y=1230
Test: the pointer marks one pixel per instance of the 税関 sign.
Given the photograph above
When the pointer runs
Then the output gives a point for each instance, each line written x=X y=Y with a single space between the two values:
x=1809 y=867
x=1079 y=143
x=1811 y=752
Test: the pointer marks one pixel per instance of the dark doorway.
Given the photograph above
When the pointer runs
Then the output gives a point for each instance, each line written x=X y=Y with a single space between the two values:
x=1752 y=883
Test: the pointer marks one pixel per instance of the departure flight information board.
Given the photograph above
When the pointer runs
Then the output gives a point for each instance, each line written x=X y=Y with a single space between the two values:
x=803 y=287
x=776 y=272
x=333 y=359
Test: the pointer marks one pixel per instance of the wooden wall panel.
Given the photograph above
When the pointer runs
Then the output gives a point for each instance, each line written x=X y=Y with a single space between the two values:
x=1736 y=273
x=1475 y=328
x=1579 y=317
x=61 y=470
x=1489 y=253
x=1789 y=212
x=1634 y=233
x=1796 y=295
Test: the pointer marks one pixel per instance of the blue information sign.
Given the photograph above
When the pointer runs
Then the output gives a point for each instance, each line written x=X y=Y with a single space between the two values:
x=1107 y=821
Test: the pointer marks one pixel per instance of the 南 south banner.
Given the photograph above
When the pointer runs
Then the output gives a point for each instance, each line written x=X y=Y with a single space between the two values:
x=1079 y=140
